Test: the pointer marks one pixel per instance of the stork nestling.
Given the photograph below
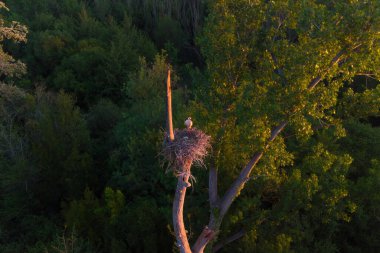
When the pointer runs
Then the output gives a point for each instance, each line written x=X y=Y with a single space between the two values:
x=188 y=123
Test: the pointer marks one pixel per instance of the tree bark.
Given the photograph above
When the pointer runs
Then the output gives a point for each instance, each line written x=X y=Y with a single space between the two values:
x=179 y=200
x=213 y=186
x=169 y=107
x=203 y=239
x=335 y=60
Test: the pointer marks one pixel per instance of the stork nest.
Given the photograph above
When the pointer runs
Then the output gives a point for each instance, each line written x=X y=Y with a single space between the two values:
x=189 y=146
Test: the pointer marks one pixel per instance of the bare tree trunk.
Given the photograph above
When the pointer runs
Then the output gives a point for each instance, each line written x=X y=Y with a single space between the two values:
x=179 y=200
x=169 y=107
x=182 y=184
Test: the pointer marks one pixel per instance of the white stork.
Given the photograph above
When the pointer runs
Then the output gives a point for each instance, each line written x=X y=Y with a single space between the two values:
x=188 y=123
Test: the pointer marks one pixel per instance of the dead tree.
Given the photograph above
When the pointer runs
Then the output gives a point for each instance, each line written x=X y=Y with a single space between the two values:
x=182 y=148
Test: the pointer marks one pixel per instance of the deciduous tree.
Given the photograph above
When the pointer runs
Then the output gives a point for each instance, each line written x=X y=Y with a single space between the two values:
x=15 y=32
x=276 y=65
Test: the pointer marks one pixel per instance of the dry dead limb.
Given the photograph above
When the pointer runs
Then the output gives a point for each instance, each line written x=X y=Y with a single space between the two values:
x=190 y=146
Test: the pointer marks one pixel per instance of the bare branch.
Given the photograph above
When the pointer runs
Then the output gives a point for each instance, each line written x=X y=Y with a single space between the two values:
x=243 y=177
x=335 y=60
x=213 y=186
x=169 y=107
x=228 y=240
x=368 y=75
x=276 y=131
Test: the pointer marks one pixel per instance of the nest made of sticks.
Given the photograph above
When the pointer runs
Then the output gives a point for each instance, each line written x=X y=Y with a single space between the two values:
x=189 y=146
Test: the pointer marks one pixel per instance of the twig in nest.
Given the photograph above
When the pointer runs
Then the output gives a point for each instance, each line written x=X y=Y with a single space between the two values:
x=189 y=146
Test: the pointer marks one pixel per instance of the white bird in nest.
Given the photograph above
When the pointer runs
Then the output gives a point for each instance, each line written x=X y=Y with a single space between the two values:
x=188 y=123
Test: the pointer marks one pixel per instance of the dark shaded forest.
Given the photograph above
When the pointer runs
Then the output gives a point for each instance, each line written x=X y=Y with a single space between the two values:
x=83 y=121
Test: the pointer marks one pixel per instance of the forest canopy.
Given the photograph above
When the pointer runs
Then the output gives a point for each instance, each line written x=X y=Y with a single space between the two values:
x=287 y=92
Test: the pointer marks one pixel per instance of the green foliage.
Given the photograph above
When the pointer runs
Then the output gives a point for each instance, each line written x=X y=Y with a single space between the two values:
x=140 y=133
x=360 y=105
x=113 y=226
x=86 y=216
x=81 y=172
x=256 y=55
x=80 y=50
x=101 y=119
x=302 y=212
x=264 y=59
x=362 y=144
x=364 y=232
x=115 y=202
x=15 y=32
x=44 y=146
x=135 y=169
x=59 y=146
x=68 y=244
